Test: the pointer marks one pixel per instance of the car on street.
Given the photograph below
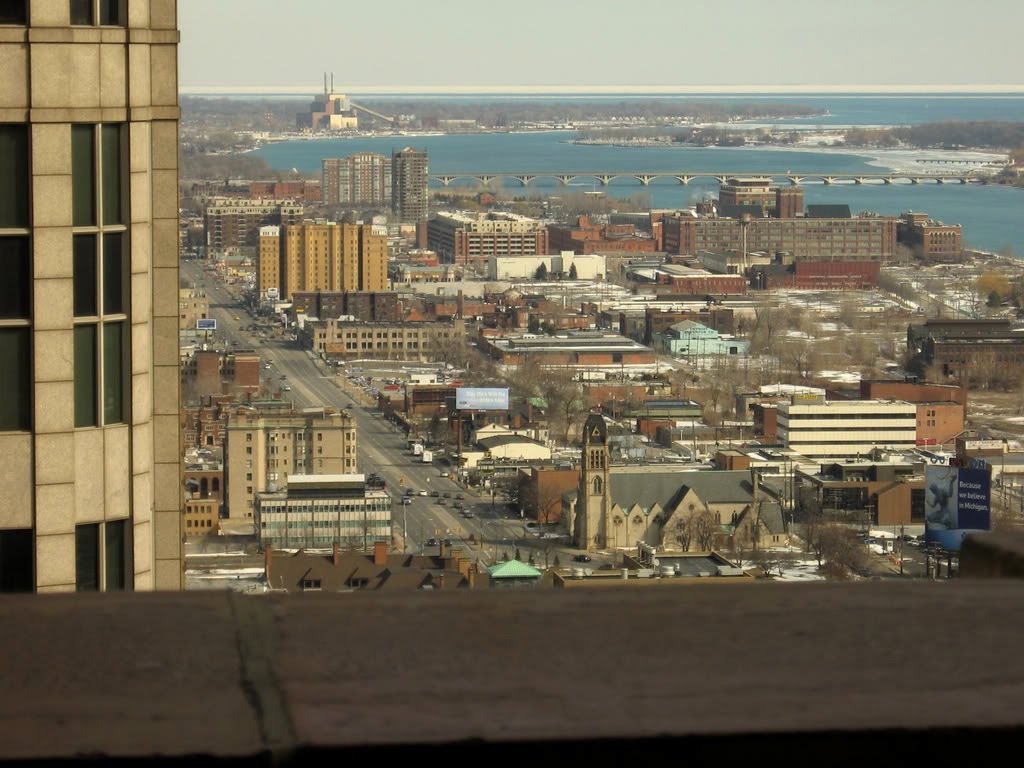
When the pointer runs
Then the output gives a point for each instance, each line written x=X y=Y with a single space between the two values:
x=431 y=542
x=468 y=515
x=442 y=502
x=423 y=493
x=457 y=504
x=435 y=494
x=459 y=496
x=410 y=492
x=582 y=558
x=444 y=474
x=447 y=494
x=406 y=500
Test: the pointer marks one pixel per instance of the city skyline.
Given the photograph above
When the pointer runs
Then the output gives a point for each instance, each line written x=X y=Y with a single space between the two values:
x=780 y=48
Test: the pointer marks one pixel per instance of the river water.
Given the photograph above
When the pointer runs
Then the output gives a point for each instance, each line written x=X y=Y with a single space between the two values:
x=991 y=215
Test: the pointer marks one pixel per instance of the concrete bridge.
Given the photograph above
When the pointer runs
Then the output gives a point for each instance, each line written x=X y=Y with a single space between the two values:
x=605 y=178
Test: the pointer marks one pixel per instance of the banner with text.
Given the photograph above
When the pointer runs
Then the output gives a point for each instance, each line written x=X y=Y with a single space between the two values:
x=957 y=501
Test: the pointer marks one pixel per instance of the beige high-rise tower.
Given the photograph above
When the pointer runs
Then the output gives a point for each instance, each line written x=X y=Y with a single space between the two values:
x=323 y=256
x=91 y=498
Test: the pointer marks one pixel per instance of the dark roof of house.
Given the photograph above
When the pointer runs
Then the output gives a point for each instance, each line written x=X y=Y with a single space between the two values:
x=666 y=488
x=288 y=571
x=828 y=211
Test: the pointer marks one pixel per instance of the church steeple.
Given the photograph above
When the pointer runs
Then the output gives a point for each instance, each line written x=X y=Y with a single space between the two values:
x=592 y=499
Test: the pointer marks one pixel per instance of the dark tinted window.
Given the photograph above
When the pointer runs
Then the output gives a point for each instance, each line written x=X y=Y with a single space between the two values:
x=16 y=547
x=13 y=175
x=15 y=287
x=15 y=380
x=110 y=137
x=113 y=274
x=81 y=12
x=87 y=557
x=85 y=376
x=12 y=11
x=117 y=555
x=112 y=13
x=85 y=275
x=83 y=175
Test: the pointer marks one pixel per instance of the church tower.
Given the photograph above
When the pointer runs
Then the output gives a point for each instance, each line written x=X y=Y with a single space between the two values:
x=592 y=500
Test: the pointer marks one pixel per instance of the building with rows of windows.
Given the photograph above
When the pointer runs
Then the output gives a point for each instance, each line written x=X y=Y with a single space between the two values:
x=269 y=444
x=92 y=492
x=321 y=510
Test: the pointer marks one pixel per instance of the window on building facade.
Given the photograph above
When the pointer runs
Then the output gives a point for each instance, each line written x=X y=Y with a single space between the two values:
x=16 y=560
x=100 y=270
x=106 y=13
x=87 y=557
x=15 y=290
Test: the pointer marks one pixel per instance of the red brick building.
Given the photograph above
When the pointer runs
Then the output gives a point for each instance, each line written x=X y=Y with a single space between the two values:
x=826 y=276
x=541 y=489
x=210 y=372
x=599 y=238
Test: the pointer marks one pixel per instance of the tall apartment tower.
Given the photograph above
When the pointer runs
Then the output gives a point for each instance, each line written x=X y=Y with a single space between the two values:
x=409 y=184
x=92 y=491
x=323 y=256
x=360 y=179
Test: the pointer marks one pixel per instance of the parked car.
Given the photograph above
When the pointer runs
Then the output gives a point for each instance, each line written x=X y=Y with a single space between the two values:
x=410 y=492
x=459 y=496
x=431 y=542
x=457 y=504
x=447 y=494
x=435 y=494
x=582 y=558
x=442 y=502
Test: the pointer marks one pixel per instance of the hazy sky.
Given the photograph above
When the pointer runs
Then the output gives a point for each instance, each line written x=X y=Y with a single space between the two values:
x=392 y=43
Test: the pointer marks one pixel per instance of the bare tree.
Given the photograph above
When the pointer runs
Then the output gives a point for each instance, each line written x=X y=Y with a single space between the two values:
x=683 y=532
x=705 y=529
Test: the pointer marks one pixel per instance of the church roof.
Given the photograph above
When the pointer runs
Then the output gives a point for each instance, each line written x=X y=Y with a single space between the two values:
x=665 y=488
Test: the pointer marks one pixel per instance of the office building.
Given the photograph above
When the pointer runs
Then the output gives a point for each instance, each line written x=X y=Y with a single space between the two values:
x=322 y=256
x=409 y=184
x=753 y=195
x=269 y=442
x=355 y=339
x=863 y=238
x=473 y=239
x=838 y=429
x=360 y=179
x=236 y=223
x=92 y=493
x=323 y=510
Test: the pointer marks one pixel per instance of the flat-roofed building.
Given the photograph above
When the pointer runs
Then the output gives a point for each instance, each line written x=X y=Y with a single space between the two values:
x=868 y=238
x=573 y=348
x=347 y=338
x=269 y=443
x=835 y=429
x=475 y=238
x=360 y=179
x=322 y=256
x=324 y=509
x=233 y=223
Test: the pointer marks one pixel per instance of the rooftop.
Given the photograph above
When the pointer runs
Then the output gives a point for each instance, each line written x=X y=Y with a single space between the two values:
x=311 y=678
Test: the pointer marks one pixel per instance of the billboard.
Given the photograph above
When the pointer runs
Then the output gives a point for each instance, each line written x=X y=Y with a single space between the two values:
x=957 y=501
x=206 y=324
x=481 y=398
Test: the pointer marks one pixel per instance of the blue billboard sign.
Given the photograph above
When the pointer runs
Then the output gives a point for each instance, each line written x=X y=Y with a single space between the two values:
x=481 y=398
x=957 y=501
x=206 y=324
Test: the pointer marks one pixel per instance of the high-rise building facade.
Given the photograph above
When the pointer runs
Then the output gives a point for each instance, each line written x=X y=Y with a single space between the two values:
x=360 y=179
x=322 y=256
x=92 y=492
x=268 y=443
x=234 y=223
x=409 y=184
